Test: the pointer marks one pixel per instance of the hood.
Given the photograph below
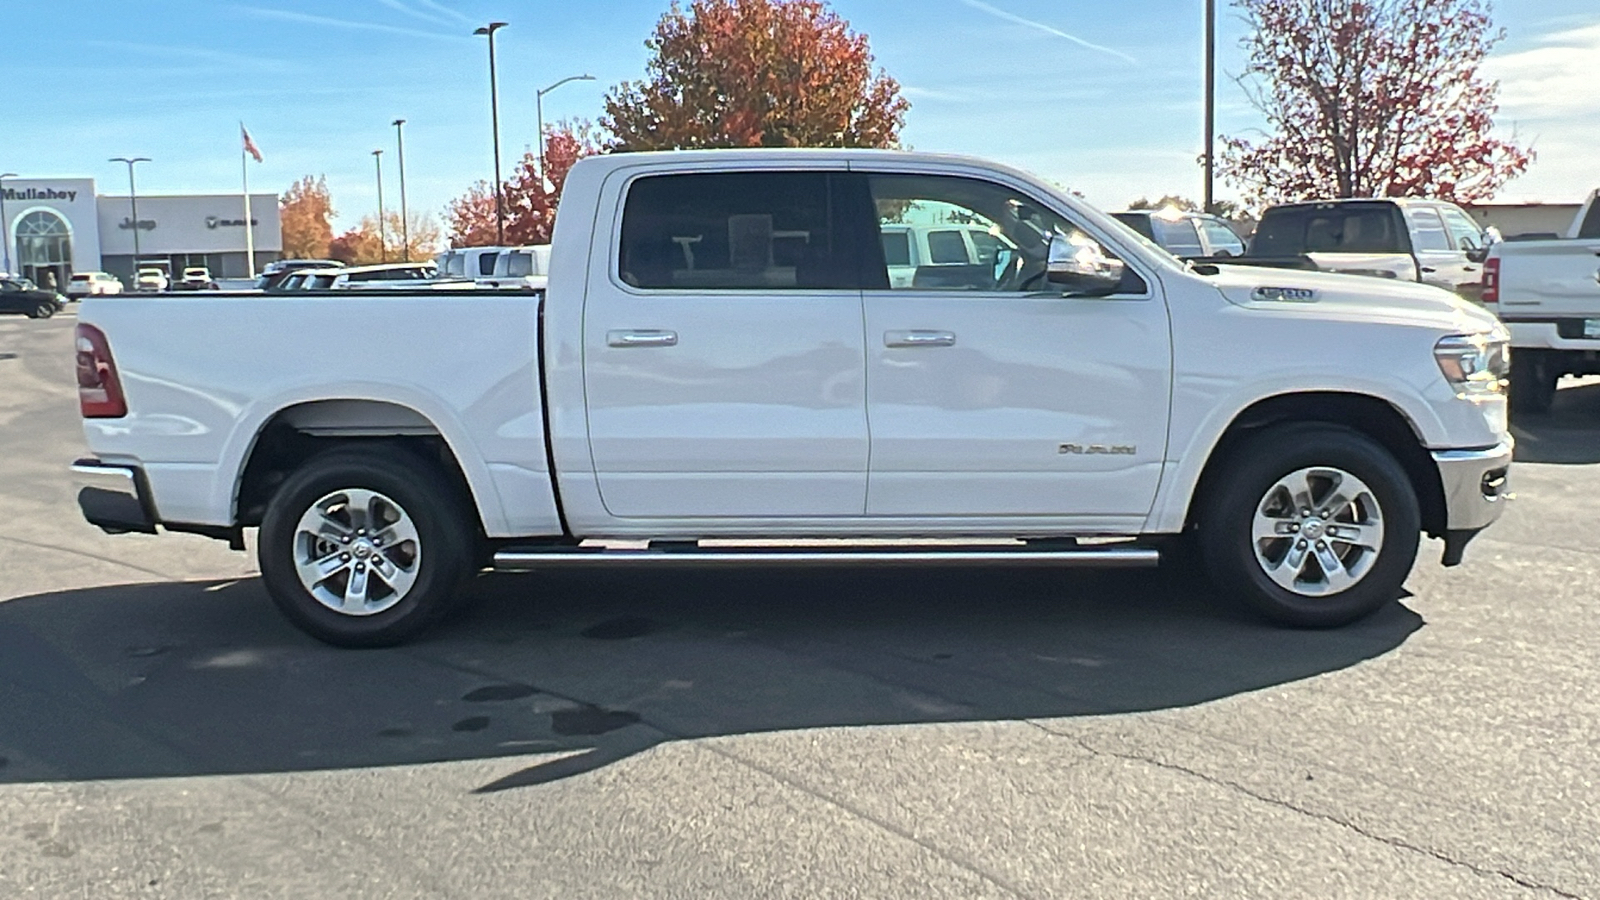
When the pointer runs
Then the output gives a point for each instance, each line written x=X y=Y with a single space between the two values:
x=1327 y=293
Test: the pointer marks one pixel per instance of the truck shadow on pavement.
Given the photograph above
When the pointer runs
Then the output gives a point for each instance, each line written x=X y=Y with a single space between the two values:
x=566 y=673
x=1568 y=435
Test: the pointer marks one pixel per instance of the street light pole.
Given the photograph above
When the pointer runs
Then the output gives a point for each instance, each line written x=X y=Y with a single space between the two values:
x=538 y=103
x=5 y=223
x=1211 y=105
x=494 y=111
x=133 y=200
x=405 y=225
x=383 y=244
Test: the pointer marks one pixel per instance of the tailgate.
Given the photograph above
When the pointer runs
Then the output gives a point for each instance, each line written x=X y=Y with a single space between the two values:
x=1545 y=279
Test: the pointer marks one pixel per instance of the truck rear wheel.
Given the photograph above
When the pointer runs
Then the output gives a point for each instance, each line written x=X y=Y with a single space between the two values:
x=1313 y=526
x=366 y=547
x=1533 y=382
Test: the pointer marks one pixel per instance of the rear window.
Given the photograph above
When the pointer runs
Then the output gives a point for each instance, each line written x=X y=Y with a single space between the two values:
x=80 y=278
x=1139 y=222
x=897 y=248
x=1591 y=223
x=519 y=265
x=486 y=263
x=946 y=248
x=1333 y=229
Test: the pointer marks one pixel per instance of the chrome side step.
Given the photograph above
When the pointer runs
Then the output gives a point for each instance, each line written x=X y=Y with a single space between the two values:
x=515 y=560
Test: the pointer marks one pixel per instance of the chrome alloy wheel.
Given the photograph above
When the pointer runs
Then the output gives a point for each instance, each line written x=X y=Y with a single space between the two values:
x=357 y=552
x=1318 y=532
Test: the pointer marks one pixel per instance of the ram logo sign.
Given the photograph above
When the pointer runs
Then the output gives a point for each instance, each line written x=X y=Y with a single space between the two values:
x=1285 y=295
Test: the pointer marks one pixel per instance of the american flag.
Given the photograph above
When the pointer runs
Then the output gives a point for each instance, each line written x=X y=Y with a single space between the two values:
x=249 y=145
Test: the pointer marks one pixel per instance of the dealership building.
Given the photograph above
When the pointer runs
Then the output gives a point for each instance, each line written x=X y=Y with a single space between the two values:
x=61 y=225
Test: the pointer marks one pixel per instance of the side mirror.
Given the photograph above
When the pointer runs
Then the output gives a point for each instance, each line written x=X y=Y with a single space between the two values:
x=1478 y=254
x=1081 y=268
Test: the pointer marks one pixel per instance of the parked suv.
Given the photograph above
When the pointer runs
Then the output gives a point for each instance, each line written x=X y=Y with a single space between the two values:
x=196 y=278
x=21 y=296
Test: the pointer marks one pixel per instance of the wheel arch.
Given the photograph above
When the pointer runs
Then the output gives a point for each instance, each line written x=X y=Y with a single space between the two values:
x=1372 y=417
x=297 y=432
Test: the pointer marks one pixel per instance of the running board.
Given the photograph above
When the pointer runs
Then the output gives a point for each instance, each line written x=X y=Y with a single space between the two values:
x=515 y=560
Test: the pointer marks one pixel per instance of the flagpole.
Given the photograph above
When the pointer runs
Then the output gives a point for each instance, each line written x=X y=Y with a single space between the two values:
x=249 y=228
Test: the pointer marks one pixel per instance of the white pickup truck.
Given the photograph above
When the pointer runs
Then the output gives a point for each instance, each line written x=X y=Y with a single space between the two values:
x=1548 y=294
x=723 y=373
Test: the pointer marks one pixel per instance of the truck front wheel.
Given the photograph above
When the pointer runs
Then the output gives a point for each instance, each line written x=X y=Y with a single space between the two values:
x=1313 y=525
x=366 y=547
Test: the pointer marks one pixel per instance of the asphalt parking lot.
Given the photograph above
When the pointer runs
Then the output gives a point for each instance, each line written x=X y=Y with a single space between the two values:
x=163 y=733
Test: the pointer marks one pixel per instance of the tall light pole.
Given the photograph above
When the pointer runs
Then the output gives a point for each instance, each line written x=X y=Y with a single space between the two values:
x=133 y=200
x=494 y=111
x=405 y=225
x=383 y=244
x=538 y=103
x=1211 y=106
x=5 y=223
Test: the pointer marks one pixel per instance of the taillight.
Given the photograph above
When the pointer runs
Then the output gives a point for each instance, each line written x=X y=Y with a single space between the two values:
x=1491 y=280
x=99 y=389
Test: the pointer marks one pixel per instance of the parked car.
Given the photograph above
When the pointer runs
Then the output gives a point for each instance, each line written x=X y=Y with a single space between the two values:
x=19 y=296
x=88 y=284
x=1185 y=235
x=275 y=272
x=933 y=255
x=151 y=280
x=1299 y=430
x=1400 y=239
x=196 y=278
x=300 y=280
x=1548 y=294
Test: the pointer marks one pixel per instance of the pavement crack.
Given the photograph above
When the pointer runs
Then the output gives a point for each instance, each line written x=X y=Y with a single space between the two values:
x=87 y=555
x=1235 y=787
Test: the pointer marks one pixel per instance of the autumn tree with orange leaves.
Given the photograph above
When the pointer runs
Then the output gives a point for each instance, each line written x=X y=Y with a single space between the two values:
x=1371 y=98
x=530 y=200
x=756 y=73
x=305 y=214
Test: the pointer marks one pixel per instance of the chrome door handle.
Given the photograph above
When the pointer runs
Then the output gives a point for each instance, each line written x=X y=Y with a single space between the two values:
x=642 y=338
x=899 y=340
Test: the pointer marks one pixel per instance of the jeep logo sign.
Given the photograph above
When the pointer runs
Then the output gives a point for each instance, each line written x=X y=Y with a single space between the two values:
x=1285 y=295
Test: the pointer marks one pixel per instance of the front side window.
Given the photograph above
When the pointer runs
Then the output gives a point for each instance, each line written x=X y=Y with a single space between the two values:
x=979 y=236
x=731 y=231
x=1464 y=232
x=1223 y=239
x=1177 y=235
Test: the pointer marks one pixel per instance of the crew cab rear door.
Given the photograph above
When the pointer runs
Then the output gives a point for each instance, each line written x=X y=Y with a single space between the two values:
x=989 y=394
x=724 y=364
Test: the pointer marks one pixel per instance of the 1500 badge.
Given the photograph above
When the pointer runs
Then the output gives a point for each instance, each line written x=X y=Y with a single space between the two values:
x=1285 y=295
x=1097 y=450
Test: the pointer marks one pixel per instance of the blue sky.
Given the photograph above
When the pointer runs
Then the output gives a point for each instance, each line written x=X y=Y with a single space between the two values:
x=1104 y=97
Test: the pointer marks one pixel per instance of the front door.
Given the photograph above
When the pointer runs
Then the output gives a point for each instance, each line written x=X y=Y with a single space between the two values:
x=1439 y=261
x=724 y=364
x=992 y=395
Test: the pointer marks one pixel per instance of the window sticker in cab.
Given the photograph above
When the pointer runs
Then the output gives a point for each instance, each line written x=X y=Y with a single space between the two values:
x=1285 y=295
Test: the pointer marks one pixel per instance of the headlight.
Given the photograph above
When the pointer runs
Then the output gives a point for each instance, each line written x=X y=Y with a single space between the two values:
x=1475 y=364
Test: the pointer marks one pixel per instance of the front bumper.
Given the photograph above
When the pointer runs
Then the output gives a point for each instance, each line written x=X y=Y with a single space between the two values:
x=1476 y=489
x=115 y=498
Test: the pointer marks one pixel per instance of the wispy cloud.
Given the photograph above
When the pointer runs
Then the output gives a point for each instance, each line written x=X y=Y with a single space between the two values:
x=1555 y=79
x=446 y=11
x=172 y=52
x=397 y=6
x=1047 y=29
x=299 y=18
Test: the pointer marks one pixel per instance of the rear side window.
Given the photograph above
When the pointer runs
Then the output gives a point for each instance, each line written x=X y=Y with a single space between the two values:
x=1427 y=230
x=731 y=231
x=519 y=265
x=1179 y=237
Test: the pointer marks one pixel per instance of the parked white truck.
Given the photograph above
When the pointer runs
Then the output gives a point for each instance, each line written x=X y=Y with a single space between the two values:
x=1548 y=294
x=723 y=368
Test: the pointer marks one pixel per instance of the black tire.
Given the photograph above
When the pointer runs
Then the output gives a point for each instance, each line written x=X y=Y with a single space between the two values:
x=446 y=532
x=1241 y=487
x=42 y=311
x=1533 y=382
